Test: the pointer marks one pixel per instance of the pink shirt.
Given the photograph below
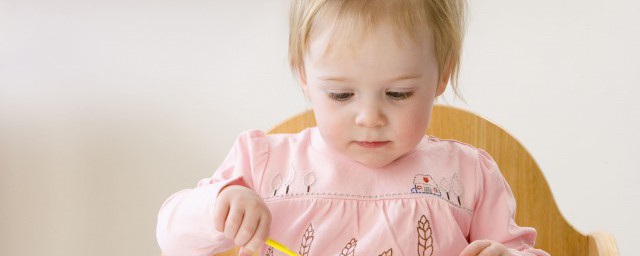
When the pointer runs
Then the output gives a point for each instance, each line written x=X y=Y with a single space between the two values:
x=432 y=201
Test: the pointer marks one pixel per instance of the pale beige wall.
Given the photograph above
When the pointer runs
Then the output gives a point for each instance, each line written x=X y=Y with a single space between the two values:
x=108 y=107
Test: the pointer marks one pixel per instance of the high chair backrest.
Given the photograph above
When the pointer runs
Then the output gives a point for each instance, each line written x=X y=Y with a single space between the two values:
x=536 y=206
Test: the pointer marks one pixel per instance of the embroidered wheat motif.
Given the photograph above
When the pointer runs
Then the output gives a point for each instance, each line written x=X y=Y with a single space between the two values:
x=350 y=248
x=307 y=239
x=387 y=252
x=425 y=241
x=269 y=251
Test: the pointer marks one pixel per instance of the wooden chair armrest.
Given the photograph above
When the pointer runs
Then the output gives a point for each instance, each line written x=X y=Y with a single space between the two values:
x=602 y=243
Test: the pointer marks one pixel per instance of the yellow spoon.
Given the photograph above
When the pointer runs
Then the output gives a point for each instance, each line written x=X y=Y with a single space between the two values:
x=281 y=247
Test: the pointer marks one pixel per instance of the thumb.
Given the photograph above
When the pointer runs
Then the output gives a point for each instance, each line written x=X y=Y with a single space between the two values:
x=475 y=248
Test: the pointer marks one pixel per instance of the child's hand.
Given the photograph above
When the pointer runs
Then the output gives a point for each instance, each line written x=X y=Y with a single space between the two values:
x=485 y=248
x=243 y=217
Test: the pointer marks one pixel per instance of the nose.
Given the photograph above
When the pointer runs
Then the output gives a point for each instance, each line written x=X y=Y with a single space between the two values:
x=370 y=115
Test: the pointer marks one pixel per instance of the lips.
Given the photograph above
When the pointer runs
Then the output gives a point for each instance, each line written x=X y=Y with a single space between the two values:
x=372 y=144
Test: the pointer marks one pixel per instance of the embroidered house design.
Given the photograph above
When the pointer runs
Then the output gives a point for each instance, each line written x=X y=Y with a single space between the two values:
x=452 y=188
x=425 y=184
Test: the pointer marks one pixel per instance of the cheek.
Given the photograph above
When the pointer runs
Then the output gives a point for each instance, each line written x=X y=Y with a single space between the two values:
x=327 y=113
x=418 y=125
x=416 y=119
x=332 y=130
x=327 y=118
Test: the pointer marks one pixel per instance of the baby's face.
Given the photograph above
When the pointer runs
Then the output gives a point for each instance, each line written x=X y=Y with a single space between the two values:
x=372 y=102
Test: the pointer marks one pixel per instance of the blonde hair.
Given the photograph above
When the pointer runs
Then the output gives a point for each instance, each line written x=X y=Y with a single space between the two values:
x=445 y=18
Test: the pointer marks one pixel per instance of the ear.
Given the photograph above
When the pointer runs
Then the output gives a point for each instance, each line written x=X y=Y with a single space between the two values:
x=444 y=80
x=442 y=85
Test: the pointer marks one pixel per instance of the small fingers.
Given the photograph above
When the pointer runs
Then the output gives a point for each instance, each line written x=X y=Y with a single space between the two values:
x=247 y=228
x=244 y=218
x=233 y=222
x=261 y=233
x=475 y=248
x=220 y=213
x=495 y=249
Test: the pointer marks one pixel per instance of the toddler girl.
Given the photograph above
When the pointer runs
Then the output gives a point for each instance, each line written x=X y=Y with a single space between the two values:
x=366 y=180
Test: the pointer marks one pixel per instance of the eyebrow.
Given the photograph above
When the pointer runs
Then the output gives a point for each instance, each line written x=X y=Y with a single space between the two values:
x=346 y=79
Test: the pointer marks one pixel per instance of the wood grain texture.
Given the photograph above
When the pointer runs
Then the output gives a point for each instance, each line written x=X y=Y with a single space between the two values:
x=602 y=243
x=536 y=206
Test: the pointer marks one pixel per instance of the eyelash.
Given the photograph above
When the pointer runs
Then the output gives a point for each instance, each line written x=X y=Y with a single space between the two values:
x=345 y=96
x=340 y=96
x=400 y=95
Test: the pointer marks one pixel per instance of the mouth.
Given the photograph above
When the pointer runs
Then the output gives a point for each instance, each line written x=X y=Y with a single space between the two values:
x=372 y=144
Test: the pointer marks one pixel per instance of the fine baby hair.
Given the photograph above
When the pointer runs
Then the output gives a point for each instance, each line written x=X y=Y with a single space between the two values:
x=351 y=21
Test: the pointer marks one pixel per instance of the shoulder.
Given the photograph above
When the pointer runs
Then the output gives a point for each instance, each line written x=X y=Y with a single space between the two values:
x=301 y=137
x=250 y=135
x=461 y=151
x=452 y=150
x=258 y=138
x=474 y=166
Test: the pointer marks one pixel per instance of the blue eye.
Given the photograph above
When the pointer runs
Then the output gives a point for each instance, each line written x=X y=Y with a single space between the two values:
x=341 y=96
x=399 y=95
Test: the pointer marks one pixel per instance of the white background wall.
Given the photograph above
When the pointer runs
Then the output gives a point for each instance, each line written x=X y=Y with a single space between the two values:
x=107 y=107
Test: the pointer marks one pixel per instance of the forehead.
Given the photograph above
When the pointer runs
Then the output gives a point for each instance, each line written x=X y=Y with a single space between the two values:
x=383 y=47
x=346 y=24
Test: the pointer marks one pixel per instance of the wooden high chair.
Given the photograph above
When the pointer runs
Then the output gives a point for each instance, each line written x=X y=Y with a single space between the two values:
x=535 y=204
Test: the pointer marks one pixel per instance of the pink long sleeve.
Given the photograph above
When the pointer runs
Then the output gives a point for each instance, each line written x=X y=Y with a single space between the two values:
x=185 y=221
x=494 y=211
